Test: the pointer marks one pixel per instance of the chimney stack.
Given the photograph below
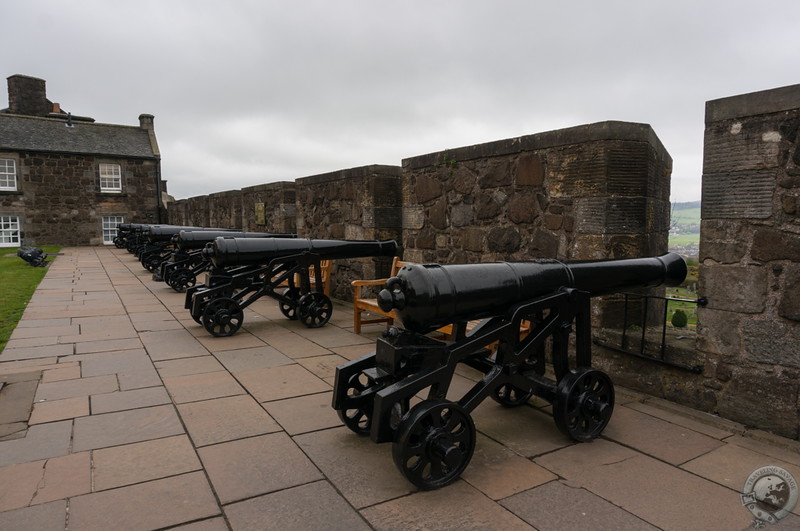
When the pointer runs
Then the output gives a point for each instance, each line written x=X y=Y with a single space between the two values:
x=27 y=95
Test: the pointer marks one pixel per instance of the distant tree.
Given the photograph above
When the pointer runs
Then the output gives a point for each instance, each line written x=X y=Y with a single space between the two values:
x=679 y=319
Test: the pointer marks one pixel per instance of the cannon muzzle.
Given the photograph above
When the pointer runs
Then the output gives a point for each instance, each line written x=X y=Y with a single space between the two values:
x=428 y=296
x=197 y=239
x=225 y=252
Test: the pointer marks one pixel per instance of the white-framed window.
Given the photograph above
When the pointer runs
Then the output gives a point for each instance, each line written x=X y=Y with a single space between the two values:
x=9 y=231
x=110 y=228
x=110 y=178
x=8 y=174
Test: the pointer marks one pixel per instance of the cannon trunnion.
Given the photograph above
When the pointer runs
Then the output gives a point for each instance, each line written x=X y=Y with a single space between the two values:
x=522 y=346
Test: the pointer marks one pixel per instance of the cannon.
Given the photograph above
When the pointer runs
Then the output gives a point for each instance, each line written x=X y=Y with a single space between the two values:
x=181 y=268
x=523 y=311
x=159 y=244
x=34 y=256
x=243 y=270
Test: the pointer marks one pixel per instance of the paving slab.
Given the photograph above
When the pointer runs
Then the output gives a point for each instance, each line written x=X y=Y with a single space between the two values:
x=313 y=506
x=730 y=465
x=105 y=345
x=280 y=382
x=557 y=506
x=186 y=366
x=45 y=517
x=112 y=429
x=132 y=399
x=129 y=464
x=40 y=442
x=293 y=345
x=669 y=442
x=499 y=473
x=322 y=366
x=27 y=353
x=67 y=408
x=225 y=419
x=171 y=344
x=456 y=508
x=360 y=469
x=203 y=386
x=242 y=339
x=44 y=481
x=250 y=359
x=304 y=413
x=151 y=505
x=258 y=465
x=644 y=486
x=79 y=387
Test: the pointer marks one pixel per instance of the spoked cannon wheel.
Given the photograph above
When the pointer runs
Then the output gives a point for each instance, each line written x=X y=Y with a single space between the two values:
x=180 y=279
x=152 y=263
x=222 y=317
x=314 y=309
x=434 y=443
x=511 y=396
x=583 y=404
x=290 y=310
x=357 y=413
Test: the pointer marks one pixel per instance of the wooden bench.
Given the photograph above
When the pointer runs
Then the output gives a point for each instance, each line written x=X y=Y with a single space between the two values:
x=361 y=304
x=325 y=269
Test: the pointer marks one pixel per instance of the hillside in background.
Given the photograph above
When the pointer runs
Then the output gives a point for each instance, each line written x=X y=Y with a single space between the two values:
x=684 y=231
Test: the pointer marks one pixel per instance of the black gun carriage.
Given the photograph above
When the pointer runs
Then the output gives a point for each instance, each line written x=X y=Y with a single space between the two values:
x=244 y=270
x=159 y=244
x=181 y=269
x=525 y=310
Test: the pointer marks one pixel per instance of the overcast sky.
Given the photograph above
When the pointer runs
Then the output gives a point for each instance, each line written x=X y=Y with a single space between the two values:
x=253 y=91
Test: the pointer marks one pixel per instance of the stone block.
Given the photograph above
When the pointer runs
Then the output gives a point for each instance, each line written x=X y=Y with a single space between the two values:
x=734 y=288
x=789 y=296
x=427 y=188
x=772 y=244
x=530 y=170
x=772 y=342
x=766 y=400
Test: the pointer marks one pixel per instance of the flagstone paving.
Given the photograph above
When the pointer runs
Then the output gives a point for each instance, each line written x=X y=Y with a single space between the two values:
x=118 y=411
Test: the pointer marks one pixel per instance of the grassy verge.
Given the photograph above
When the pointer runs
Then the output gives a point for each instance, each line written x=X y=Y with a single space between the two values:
x=18 y=281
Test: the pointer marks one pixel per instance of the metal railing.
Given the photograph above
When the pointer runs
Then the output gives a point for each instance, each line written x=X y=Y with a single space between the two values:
x=644 y=327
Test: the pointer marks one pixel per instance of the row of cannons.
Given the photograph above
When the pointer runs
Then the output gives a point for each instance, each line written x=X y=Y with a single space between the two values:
x=524 y=326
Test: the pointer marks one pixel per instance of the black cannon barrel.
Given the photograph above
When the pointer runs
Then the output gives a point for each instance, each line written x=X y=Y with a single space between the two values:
x=428 y=296
x=164 y=233
x=225 y=252
x=197 y=239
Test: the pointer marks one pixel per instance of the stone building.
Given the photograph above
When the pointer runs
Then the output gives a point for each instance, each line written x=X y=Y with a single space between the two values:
x=67 y=180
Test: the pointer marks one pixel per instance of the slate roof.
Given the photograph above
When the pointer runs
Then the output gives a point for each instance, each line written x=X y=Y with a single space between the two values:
x=27 y=133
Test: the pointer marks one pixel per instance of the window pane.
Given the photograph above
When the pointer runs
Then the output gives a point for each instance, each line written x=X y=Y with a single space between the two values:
x=8 y=174
x=109 y=224
x=9 y=231
x=110 y=178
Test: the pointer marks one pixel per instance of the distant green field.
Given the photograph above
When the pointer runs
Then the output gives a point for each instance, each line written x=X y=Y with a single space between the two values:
x=684 y=239
x=686 y=216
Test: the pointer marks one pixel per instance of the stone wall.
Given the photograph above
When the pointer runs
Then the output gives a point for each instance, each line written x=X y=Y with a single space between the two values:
x=750 y=258
x=590 y=192
x=68 y=203
x=270 y=208
x=225 y=210
x=355 y=204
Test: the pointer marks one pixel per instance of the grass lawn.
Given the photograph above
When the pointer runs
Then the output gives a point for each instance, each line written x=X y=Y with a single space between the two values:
x=18 y=281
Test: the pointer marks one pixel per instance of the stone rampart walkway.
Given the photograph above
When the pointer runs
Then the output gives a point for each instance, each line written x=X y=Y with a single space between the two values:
x=118 y=411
